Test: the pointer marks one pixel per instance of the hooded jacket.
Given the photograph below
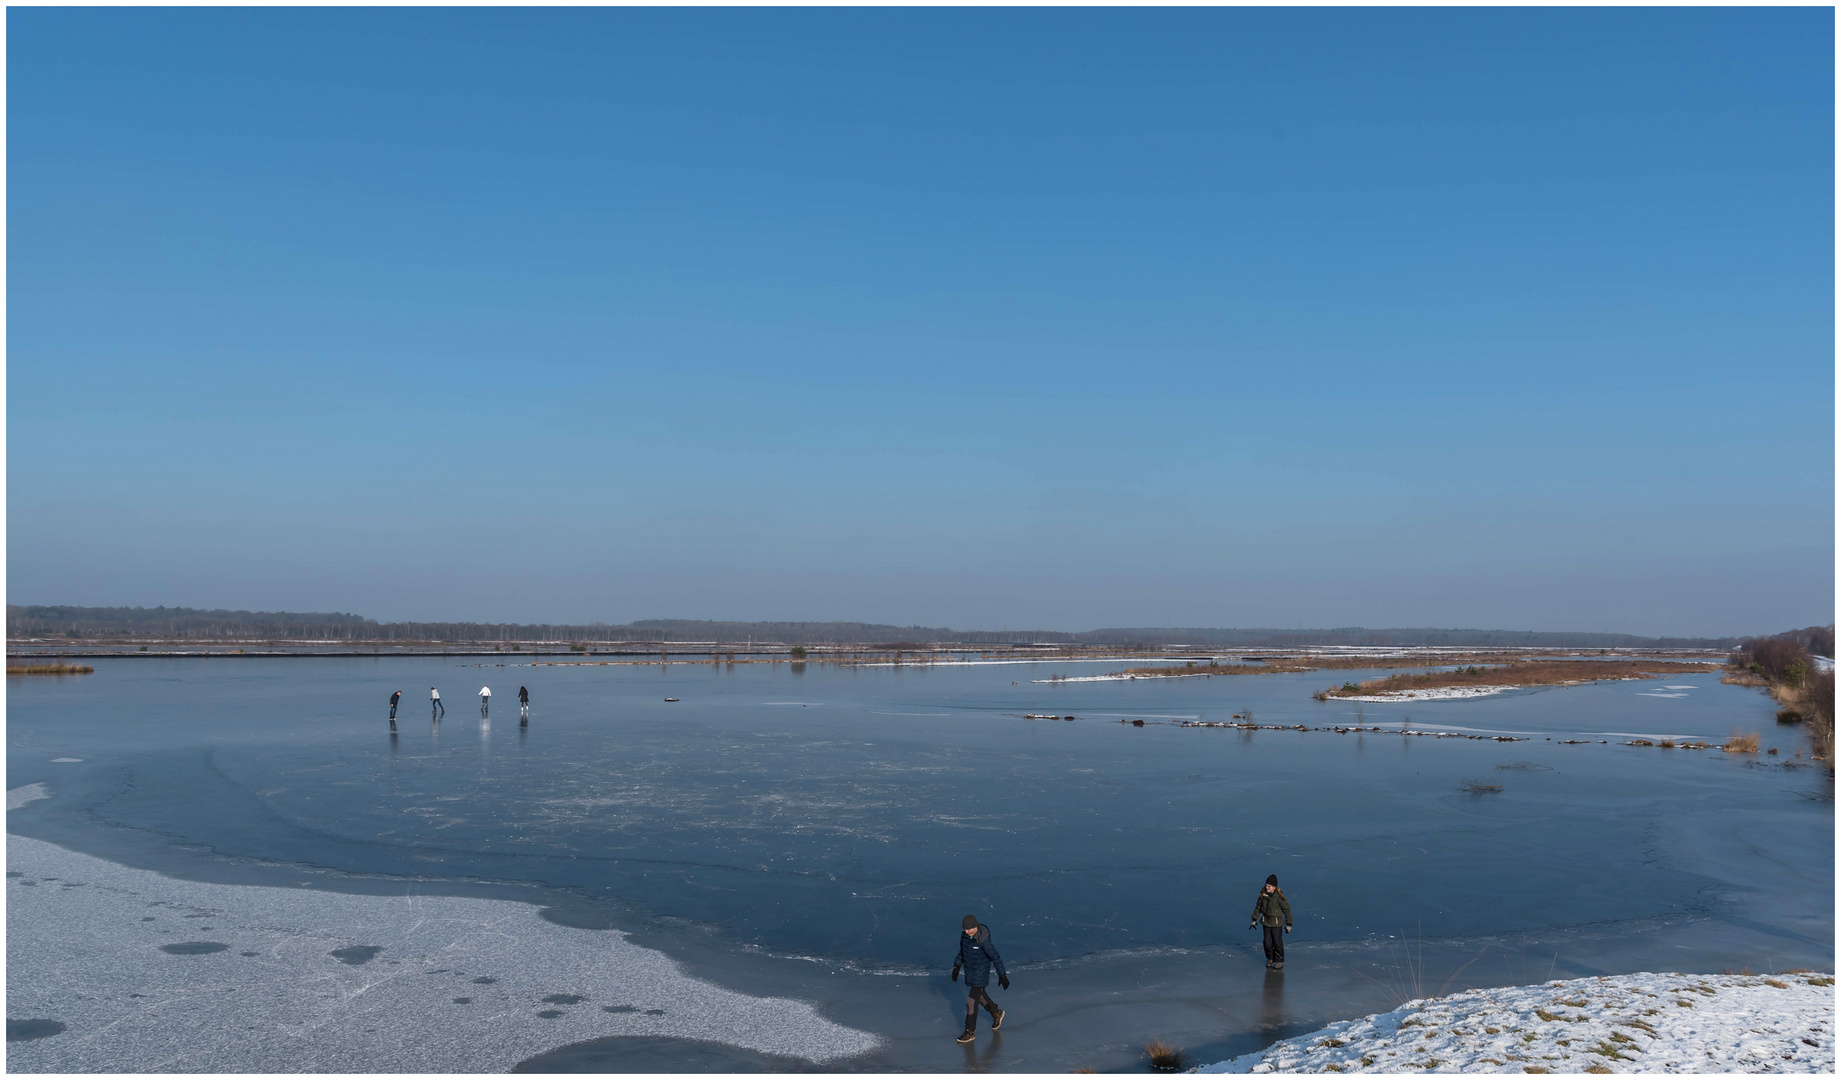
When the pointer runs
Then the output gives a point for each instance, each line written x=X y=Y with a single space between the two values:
x=977 y=956
x=1272 y=909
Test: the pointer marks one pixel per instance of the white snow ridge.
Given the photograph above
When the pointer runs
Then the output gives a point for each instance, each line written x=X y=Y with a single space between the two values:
x=1624 y=1023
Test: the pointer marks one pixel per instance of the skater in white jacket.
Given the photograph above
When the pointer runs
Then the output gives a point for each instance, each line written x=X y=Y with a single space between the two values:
x=485 y=699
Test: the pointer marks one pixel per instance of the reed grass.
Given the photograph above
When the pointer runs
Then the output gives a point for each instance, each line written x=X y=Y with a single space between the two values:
x=1164 y=1057
x=49 y=669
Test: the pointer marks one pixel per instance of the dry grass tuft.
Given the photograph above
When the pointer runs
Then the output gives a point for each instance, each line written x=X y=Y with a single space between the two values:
x=49 y=669
x=1164 y=1057
x=1742 y=742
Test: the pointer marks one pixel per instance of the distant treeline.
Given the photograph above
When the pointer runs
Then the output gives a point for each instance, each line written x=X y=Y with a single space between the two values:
x=184 y=623
x=1815 y=640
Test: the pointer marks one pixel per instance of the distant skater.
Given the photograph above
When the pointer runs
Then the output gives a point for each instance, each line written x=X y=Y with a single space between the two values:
x=394 y=698
x=524 y=704
x=1273 y=912
x=977 y=956
x=485 y=700
x=436 y=710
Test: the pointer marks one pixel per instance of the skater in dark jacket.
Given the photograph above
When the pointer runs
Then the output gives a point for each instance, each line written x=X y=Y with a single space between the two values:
x=977 y=956
x=524 y=704
x=1273 y=912
x=394 y=698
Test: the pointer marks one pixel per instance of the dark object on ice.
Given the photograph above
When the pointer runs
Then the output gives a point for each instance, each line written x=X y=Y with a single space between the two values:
x=648 y=1054
x=1137 y=723
x=193 y=948
x=564 y=999
x=463 y=1001
x=671 y=699
x=358 y=954
x=22 y=1030
x=1478 y=787
x=619 y=1008
x=549 y=1014
x=485 y=979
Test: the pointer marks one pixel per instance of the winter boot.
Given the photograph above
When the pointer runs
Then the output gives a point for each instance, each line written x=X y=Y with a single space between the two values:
x=971 y=1028
x=997 y=1017
x=1278 y=965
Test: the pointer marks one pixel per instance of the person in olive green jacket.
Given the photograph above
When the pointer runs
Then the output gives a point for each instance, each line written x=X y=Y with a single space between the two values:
x=1273 y=912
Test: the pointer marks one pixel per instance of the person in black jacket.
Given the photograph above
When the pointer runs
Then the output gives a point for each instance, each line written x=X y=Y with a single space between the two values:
x=524 y=704
x=394 y=698
x=977 y=956
x=1273 y=912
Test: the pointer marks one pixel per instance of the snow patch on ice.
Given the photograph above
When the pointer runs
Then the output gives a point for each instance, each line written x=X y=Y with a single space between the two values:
x=20 y=796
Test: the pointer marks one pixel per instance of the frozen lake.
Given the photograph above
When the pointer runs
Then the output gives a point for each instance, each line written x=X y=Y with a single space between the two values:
x=817 y=834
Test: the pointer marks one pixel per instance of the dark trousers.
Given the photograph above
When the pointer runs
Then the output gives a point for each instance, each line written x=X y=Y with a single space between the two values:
x=435 y=708
x=1275 y=944
x=393 y=710
x=974 y=997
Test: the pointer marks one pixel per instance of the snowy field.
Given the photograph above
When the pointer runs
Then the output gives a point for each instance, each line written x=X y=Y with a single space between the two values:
x=1623 y=1023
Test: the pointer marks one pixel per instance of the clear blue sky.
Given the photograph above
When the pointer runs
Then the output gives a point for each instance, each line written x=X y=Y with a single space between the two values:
x=992 y=318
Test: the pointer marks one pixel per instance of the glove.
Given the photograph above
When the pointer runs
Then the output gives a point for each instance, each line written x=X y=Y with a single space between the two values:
x=1288 y=929
x=1252 y=926
x=955 y=973
x=1003 y=982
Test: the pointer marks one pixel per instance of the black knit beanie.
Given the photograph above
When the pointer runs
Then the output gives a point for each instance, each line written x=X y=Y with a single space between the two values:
x=968 y=922
x=1272 y=879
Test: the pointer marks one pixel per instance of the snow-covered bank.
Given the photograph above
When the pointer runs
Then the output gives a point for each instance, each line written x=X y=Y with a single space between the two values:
x=1621 y=1023
x=114 y=969
x=1437 y=693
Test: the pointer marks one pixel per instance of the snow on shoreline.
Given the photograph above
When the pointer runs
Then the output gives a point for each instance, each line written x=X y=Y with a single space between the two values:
x=1645 y=1022
x=1437 y=693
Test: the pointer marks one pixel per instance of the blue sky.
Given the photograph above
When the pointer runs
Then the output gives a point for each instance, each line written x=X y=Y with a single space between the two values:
x=1024 y=318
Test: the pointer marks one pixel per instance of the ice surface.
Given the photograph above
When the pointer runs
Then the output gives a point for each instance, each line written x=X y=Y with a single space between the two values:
x=825 y=851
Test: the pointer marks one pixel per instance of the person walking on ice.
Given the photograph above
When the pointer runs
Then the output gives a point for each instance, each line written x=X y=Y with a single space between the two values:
x=977 y=956
x=524 y=704
x=436 y=710
x=485 y=700
x=1273 y=912
x=394 y=698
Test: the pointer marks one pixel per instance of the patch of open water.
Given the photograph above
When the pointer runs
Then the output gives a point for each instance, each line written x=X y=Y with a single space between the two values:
x=818 y=833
